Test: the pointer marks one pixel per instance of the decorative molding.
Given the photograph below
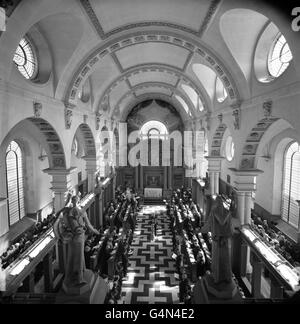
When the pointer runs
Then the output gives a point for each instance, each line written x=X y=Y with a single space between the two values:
x=249 y=153
x=68 y=118
x=85 y=118
x=209 y=16
x=237 y=118
x=88 y=66
x=267 y=108
x=218 y=138
x=56 y=157
x=208 y=120
x=37 y=109
x=220 y=117
x=93 y=18
x=98 y=120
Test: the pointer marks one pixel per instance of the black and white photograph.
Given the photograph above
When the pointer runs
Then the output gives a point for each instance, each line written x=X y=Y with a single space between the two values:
x=149 y=154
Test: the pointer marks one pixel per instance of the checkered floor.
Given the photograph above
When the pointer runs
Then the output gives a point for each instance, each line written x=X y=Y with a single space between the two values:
x=151 y=269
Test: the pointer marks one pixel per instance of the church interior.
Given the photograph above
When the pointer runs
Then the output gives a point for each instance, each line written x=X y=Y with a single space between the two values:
x=149 y=152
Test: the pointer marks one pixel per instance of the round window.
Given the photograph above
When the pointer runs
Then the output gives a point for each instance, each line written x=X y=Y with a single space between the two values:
x=280 y=57
x=25 y=59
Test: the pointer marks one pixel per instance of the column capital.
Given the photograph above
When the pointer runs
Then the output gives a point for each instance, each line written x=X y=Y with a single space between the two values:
x=214 y=163
x=61 y=178
x=245 y=180
x=60 y=172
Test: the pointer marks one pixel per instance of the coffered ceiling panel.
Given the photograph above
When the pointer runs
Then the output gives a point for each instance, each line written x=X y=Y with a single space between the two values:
x=152 y=53
x=187 y=13
x=142 y=77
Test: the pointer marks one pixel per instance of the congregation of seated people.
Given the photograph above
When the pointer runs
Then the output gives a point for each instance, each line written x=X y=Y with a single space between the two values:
x=192 y=249
x=25 y=241
x=114 y=247
x=274 y=238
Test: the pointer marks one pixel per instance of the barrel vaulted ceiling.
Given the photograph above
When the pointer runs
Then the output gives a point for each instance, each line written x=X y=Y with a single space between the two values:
x=125 y=51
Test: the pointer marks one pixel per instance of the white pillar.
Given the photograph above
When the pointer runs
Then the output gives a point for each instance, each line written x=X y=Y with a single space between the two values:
x=216 y=178
x=212 y=183
x=241 y=206
x=248 y=203
x=61 y=184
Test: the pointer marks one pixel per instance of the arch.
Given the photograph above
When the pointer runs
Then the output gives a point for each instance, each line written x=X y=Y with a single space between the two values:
x=136 y=100
x=88 y=140
x=89 y=64
x=217 y=140
x=166 y=86
x=154 y=124
x=197 y=87
x=257 y=138
x=53 y=144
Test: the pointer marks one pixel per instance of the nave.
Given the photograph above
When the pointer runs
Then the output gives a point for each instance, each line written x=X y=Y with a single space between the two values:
x=151 y=271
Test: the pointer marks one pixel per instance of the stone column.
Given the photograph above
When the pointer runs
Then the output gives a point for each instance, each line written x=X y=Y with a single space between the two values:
x=137 y=177
x=241 y=206
x=245 y=184
x=170 y=177
x=217 y=179
x=91 y=169
x=61 y=184
x=214 y=171
x=165 y=178
x=211 y=182
x=142 y=178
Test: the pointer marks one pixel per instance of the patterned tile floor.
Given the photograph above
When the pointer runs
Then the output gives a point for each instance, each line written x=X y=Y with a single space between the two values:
x=151 y=272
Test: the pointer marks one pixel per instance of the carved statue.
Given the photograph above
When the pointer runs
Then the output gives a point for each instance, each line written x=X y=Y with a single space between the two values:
x=220 y=225
x=68 y=118
x=37 y=109
x=70 y=228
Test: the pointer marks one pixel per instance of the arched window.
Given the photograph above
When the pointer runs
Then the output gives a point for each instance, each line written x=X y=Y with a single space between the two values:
x=75 y=147
x=280 y=56
x=291 y=185
x=154 y=129
x=25 y=59
x=229 y=149
x=15 y=183
x=221 y=92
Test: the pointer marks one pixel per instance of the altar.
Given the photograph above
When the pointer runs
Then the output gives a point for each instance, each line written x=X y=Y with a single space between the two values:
x=153 y=192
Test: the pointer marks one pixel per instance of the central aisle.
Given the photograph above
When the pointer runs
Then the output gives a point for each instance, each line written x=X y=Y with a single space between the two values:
x=151 y=269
